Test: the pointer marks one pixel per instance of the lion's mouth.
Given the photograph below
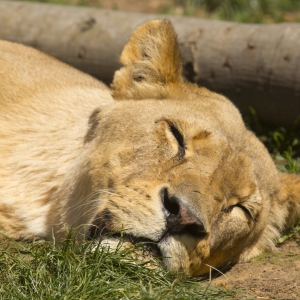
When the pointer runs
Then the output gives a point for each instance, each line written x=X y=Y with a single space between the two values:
x=169 y=250
x=144 y=247
x=149 y=247
x=183 y=223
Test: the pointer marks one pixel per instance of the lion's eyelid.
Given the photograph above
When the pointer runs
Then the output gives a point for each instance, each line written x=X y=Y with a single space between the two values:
x=179 y=137
x=245 y=209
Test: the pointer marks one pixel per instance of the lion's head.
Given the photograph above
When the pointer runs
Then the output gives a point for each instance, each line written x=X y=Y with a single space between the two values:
x=173 y=164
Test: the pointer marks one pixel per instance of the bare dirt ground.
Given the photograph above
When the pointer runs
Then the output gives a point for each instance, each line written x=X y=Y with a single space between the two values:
x=274 y=275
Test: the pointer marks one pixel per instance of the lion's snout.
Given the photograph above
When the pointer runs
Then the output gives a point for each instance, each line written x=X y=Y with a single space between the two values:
x=179 y=218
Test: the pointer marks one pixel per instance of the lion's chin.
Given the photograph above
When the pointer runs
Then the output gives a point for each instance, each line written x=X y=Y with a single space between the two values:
x=184 y=253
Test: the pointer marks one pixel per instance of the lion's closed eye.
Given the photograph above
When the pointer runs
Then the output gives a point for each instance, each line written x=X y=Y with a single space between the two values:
x=180 y=140
x=244 y=209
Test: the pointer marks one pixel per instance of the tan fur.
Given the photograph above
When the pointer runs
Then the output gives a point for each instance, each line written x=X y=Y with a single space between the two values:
x=71 y=156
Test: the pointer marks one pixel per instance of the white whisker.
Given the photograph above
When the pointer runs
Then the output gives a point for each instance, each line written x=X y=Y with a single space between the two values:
x=211 y=267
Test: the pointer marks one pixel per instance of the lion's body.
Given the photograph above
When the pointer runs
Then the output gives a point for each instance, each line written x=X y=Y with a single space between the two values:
x=167 y=161
x=44 y=118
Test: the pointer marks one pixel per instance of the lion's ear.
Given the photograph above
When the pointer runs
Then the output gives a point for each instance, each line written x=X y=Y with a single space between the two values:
x=151 y=58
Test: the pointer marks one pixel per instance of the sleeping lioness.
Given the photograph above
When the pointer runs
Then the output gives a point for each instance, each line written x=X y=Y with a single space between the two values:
x=163 y=160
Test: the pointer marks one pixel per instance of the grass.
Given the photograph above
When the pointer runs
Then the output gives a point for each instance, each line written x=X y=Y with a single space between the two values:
x=44 y=270
x=291 y=234
x=94 y=3
x=248 y=11
x=282 y=143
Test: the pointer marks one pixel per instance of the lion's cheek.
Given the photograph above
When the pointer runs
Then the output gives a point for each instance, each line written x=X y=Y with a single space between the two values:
x=230 y=234
x=228 y=229
x=183 y=253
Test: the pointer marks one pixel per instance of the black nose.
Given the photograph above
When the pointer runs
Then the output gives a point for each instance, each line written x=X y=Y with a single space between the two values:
x=179 y=218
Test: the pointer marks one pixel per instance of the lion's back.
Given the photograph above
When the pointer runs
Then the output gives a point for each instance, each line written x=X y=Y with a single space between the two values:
x=44 y=112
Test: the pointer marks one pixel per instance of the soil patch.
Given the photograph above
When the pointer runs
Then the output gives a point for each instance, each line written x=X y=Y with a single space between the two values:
x=272 y=275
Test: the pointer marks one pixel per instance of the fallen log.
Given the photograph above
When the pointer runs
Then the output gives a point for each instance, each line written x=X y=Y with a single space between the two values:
x=254 y=65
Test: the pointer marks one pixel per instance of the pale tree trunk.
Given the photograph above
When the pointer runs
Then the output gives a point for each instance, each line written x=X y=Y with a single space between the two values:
x=254 y=65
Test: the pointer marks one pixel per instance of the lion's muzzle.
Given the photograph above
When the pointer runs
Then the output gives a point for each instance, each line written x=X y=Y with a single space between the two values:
x=180 y=220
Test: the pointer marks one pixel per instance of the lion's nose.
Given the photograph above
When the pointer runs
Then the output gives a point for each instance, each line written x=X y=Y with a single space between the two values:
x=179 y=218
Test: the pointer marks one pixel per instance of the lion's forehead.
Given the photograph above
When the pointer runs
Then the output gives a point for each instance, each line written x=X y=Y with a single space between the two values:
x=139 y=119
x=137 y=145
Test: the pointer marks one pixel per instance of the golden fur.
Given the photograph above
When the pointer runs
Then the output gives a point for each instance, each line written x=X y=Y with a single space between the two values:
x=165 y=160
